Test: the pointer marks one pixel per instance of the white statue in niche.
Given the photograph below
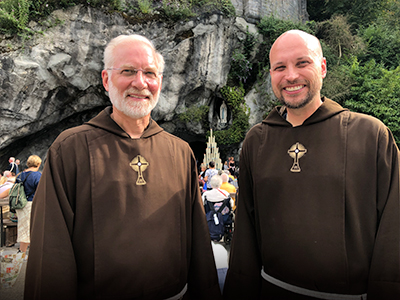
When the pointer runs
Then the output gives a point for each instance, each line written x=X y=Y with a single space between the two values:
x=223 y=113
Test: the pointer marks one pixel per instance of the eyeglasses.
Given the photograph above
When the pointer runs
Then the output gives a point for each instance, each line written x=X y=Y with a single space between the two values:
x=130 y=72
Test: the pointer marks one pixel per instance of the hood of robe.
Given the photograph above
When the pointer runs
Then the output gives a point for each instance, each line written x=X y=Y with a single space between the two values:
x=328 y=109
x=103 y=120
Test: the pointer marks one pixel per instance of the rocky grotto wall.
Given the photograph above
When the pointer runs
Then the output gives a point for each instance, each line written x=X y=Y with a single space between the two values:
x=52 y=81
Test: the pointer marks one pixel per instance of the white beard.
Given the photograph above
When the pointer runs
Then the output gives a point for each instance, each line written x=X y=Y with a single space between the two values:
x=133 y=109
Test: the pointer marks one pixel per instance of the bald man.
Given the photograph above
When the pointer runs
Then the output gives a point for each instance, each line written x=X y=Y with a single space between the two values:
x=319 y=217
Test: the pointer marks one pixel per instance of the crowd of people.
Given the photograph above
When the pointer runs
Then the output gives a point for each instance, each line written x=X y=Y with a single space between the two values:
x=118 y=212
x=30 y=177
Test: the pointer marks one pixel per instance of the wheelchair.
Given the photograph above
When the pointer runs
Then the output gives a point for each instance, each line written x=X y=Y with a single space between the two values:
x=228 y=218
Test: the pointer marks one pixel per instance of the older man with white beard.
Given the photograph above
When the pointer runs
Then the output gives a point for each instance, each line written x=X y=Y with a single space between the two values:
x=108 y=222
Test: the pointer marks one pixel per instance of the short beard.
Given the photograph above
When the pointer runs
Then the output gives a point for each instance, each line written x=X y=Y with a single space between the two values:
x=313 y=91
x=132 y=109
x=301 y=104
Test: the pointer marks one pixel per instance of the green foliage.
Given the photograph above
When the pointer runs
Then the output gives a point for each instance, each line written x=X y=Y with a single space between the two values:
x=391 y=14
x=14 y=15
x=195 y=114
x=337 y=36
x=145 y=6
x=337 y=84
x=240 y=66
x=234 y=97
x=271 y=28
x=358 y=11
x=249 y=43
x=225 y=6
x=177 y=9
x=383 y=44
x=377 y=93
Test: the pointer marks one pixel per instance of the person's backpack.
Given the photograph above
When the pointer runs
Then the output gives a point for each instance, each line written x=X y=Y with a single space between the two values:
x=17 y=197
x=215 y=220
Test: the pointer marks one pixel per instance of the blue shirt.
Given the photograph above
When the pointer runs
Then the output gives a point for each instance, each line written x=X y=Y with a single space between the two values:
x=31 y=183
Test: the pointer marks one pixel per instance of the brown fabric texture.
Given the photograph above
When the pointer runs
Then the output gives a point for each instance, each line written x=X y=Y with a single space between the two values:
x=96 y=234
x=331 y=227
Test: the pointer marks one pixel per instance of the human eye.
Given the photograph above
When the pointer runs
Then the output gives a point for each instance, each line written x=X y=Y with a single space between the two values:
x=279 y=68
x=128 y=72
x=303 y=63
x=150 y=74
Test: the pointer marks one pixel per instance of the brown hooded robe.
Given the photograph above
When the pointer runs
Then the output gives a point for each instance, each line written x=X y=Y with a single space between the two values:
x=325 y=218
x=119 y=218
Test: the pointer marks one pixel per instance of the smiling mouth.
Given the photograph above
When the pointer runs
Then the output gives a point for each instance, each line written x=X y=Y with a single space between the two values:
x=294 y=88
x=138 y=96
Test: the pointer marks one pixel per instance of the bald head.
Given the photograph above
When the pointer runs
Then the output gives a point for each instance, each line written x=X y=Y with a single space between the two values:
x=297 y=70
x=297 y=37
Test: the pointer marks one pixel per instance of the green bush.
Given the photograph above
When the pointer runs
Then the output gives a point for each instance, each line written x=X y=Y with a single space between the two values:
x=234 y=97
x=337 y=38
x=145 y=6
x=177 y=9
x=383 y=45
x=240 y=67
x=14 y=15
x=271 y=28
x=195 y=114
x=377 y=93
x=358 y=11
x=338 y=82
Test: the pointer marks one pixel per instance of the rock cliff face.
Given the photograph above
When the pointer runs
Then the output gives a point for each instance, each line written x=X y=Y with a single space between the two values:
x=52 y=81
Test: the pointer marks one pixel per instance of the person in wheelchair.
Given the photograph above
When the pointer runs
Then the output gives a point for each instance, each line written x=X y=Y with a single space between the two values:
x=215 y=198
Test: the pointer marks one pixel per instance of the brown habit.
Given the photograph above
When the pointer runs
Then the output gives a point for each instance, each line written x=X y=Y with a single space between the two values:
x=119 y=218
x=325 y=219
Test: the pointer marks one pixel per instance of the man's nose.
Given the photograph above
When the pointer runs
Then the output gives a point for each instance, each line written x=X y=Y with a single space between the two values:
x=139 y=80
x=291 y=73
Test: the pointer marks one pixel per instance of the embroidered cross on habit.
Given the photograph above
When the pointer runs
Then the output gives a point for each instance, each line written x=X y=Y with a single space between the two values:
x=139 y=164
x=296 y=152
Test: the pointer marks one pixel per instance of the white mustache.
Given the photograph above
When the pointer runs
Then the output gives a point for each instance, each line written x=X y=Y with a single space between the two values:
x=138 y=93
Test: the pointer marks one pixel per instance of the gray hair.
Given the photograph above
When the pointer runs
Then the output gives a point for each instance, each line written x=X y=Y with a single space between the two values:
x=108 y=52
x=216 y=181
x=224 y=177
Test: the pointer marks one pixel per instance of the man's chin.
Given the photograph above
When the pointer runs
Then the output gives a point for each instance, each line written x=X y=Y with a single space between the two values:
x=292 y=104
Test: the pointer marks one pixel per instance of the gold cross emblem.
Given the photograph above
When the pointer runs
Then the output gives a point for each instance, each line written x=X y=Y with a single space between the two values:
x=139 y=164
x=296 y=152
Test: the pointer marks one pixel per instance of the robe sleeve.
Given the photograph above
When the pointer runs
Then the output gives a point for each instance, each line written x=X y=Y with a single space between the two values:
x=51 y=271
x=243 y=279
x=202 y=277
x=384 y=276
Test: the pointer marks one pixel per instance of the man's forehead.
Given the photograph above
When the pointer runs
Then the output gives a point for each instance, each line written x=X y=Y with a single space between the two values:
x=132 y=50
x=295 y=41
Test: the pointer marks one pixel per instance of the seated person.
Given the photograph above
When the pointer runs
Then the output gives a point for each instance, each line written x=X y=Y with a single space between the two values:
x=6 y=182
x=217 y=196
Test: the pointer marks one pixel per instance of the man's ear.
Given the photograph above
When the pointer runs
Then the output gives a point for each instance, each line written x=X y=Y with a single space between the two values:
x=323 y=67
x=105 y=78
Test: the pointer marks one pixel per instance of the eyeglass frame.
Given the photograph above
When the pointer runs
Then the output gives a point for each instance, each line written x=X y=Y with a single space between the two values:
x=136 y=70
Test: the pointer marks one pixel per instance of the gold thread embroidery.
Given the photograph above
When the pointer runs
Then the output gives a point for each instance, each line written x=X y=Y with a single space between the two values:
x=139 y=164
x=296 y=152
